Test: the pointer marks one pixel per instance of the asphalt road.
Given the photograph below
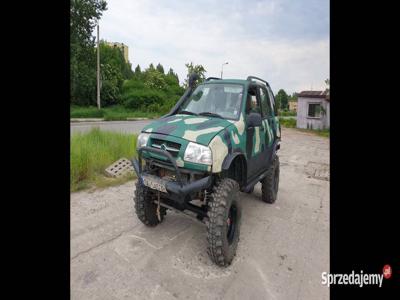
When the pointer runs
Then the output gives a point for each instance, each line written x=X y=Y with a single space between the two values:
x=283 y=248
x=122 y=126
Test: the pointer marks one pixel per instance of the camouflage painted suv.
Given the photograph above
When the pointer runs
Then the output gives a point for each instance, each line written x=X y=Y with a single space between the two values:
x=221 y=137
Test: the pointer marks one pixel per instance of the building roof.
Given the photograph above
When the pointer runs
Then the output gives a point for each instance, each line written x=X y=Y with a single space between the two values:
x=314 y=94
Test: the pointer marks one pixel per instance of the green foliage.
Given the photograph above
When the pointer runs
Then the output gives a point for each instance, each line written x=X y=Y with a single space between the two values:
x=86 y=112
x=83 y=16
x=94 y=151
x=282 y=99
x=199 y=69
x=152 y=91
x=290 y=123
x=160 y=68
x=114 y=56
x=138 y=71
x=287 y=113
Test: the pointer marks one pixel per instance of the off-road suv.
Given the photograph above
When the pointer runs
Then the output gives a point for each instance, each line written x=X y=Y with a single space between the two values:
x=220 y=138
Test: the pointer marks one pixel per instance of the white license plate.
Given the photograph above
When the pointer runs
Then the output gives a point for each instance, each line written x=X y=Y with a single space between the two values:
x=154 y=183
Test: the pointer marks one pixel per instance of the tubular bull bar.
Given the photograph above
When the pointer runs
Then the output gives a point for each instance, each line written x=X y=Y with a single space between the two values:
x=177 y=190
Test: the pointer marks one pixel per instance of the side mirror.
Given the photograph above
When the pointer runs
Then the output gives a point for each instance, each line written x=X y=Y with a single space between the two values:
x=254 y=120
x=192 y=79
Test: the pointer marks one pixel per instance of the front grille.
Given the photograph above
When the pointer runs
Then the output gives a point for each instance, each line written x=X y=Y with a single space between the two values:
x=172 y=147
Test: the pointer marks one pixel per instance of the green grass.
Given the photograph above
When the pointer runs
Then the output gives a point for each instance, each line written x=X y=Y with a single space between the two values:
x=290 y=123
x=92 y=152
x=112 y=113
x=322 y=132
x=287 y=113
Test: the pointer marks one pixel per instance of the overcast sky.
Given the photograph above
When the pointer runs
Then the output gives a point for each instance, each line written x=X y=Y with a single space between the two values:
x=285 y=42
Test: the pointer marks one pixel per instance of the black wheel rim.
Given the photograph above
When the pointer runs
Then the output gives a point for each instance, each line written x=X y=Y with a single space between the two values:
x=231 y=224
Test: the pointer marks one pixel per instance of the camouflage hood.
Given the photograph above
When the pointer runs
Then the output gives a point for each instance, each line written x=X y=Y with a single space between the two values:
x=199 y=129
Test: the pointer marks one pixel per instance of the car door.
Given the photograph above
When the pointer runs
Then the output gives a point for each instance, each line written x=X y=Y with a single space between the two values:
x=268 y=116
x=255 y=141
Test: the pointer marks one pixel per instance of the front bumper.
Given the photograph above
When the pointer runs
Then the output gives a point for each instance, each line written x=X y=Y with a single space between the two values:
x=178 y=190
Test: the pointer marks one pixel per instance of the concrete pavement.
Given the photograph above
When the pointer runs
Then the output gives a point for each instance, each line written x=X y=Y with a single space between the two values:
x=283 y=249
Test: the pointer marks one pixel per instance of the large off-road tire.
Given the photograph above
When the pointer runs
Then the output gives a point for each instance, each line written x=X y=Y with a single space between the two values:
x=270 y=184
x=223 y=226
x=145 y=208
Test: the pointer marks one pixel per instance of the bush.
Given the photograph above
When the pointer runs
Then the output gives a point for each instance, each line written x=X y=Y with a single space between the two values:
x=290 y=123
x=136 y=99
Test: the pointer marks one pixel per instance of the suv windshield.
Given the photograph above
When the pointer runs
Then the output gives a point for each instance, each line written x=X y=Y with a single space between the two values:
x=215 y=99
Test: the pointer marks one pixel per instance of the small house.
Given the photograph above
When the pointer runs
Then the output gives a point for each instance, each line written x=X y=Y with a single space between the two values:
x=313 y=110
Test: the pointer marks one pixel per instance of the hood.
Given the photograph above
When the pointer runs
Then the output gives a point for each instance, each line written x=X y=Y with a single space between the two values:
x=198 y=129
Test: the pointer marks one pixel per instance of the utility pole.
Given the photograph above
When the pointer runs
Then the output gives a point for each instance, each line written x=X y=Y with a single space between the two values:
x=222 y=68
x=98 y=67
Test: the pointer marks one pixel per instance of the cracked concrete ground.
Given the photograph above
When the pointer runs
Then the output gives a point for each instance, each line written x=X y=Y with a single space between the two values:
x=283 y=250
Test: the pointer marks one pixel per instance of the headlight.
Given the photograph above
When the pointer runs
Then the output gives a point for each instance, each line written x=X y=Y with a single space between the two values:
x=198 y=154
x=142 y=140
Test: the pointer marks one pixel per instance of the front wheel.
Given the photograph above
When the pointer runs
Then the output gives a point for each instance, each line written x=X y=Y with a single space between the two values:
x=223 y=226
x=146 y=209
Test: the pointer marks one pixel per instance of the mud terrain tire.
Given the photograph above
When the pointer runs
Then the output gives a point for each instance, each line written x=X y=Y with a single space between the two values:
x=270 y=184
x=223 y=226
x=145 y=208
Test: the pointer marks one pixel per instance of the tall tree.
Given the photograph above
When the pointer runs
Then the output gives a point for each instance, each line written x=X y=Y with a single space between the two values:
x=172 y=74
x=138 y=71
x=83 y=17
x=199 y=69
x=282 y=99
x=160 y=68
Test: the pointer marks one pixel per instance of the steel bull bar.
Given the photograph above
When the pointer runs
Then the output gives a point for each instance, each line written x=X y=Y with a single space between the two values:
x=177 y=189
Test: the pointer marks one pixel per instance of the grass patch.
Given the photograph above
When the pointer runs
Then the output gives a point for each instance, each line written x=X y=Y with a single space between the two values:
x=289 y=123
x=111 y=113
x=288 y=113
x=322 y=132
x=86 y=112
x=92 y=152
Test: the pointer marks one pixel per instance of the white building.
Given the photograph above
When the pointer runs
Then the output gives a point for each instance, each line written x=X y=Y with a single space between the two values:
x=313 y=110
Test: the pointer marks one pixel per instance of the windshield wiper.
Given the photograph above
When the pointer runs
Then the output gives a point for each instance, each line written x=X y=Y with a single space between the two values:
x=186 y=112
x=207 y=113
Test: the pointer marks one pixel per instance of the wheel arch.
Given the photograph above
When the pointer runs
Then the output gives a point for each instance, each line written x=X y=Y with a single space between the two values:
x=235 y=166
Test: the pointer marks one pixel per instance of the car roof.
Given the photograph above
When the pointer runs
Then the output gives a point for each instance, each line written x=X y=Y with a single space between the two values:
x=234 y=81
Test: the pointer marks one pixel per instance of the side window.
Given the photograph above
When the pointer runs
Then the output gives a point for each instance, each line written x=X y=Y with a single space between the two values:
x=265 y=103
x=272 y=102
x=253 y=105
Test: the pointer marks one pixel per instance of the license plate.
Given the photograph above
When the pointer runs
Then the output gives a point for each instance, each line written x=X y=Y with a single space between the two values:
x=154 y=183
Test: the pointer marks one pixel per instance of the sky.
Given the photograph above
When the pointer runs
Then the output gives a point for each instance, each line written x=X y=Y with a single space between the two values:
x=282 y=41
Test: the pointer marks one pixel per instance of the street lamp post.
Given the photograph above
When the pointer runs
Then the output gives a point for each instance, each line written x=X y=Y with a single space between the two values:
x=222 y=68
x=98 y=67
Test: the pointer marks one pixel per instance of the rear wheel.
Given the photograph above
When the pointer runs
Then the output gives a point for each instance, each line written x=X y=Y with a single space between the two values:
x=223 y=226
x=146 y=209
x=270 y=184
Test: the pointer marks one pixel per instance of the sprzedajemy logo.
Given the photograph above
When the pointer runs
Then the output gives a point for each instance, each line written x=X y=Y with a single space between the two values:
x=359 y=279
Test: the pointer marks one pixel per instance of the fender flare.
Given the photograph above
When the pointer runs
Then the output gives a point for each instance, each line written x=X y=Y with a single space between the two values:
x=276 y=146
x=229 y=159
